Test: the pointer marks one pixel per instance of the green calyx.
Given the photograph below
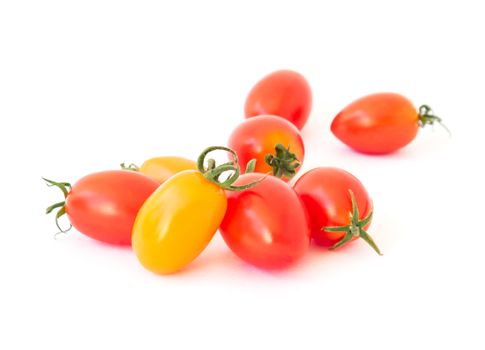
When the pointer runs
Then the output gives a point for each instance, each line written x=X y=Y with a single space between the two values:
x=130 y=167
x=250 y=166
x=355 y=229
x=65 y=187
x=283 y=162
x=212 y=172
x=427 y=117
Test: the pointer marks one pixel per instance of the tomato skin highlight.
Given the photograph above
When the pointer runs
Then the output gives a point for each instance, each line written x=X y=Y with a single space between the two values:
x=177 y=222
x=283 y=93
x=257 y=137
x=104 y=205
x=377 y=124
x=162 y=168
x=325 y=194
x=266 y=225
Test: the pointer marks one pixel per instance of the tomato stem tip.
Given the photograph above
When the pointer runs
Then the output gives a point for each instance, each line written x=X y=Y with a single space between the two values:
x=250 y=166
x=65 y=187
x=354 y=229
x=212 y=172
x=130 y=167
x=427 y=117
x=283 y=163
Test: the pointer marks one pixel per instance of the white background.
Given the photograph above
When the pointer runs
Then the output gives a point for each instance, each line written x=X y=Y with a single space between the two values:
x=86 y=85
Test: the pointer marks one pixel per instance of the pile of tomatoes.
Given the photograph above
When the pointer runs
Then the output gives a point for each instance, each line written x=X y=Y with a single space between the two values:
x=169 y=208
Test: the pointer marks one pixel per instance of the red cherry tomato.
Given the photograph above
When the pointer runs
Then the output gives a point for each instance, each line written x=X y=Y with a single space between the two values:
x=258 y=138
x=266 y=225
x=283 y=93
x=104 y=205
x=338 y=205
x=380 y=123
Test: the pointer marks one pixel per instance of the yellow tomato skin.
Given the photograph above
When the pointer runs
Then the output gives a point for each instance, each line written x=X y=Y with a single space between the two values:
x=162 y=168
x=177 y=222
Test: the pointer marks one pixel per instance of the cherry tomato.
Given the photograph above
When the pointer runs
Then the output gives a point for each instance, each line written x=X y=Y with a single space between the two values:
x=162 y=168
x=178 y=221
x=338 y=205
x=266 y=225
x=104 y=205
x=273 y=142
x=380 y=123
x=283 y=93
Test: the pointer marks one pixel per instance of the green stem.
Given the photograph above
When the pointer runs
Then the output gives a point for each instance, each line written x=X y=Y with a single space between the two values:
x=212 y=172
x=250 y=166
x=130 y=167
x=427 y=117
x=65 y=187
x=60 y=213
x=354 y=229
x=54 y=206
x=283 y=162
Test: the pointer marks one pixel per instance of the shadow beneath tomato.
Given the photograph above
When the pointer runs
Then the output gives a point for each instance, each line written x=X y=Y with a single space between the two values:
x=345 y=151
x=219 y=260
x=423 y=146
x=215 y=257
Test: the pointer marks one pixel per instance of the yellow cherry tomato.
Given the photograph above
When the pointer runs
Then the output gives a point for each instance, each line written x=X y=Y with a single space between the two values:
x=179 y=219
x=177 y=222
x=162 y=168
